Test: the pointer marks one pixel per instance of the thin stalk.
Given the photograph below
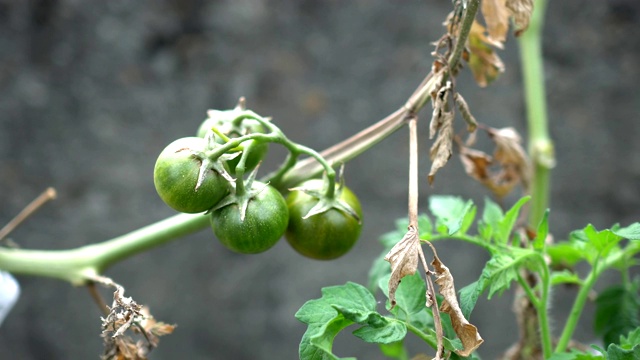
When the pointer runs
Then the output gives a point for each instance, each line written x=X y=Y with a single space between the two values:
x=542 y=309
x=540 y=144
x=413 y=173
x=576 y=309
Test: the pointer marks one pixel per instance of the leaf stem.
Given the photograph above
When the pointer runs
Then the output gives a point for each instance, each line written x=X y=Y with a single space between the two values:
x=541 y=149
x=543 y=308
x=413 y=173
x=576 y=309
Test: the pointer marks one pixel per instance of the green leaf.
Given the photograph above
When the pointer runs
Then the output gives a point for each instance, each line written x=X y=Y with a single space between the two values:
x=318 y=344
x=542 y=232
x=350 y=296
x=410 y=295
x=566 y=253
x=450 y=212
x=617 y=312
x=497 y=276
x=492 y=214
x=565 y=277
x=392 y=331
x=339 y=307
x=505 y=226
x=469 y=296
x=631 y=340
x=631 y=232
x=603 y=241
x=615 y=352
x=502 y=269
x=315 y=312
x=362 y=317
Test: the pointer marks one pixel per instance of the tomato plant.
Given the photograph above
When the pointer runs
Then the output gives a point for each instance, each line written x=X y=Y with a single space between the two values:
x=251 y=224
x=327 y=235
x=185 y=179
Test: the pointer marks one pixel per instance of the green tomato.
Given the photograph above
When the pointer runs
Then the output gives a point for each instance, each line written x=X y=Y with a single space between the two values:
x=247 y=126
x=264 y=224
x=323 y=236
x=175 y=176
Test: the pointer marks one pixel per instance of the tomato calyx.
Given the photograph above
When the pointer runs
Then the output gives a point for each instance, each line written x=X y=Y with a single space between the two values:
x=242 y=191
x=327 y=202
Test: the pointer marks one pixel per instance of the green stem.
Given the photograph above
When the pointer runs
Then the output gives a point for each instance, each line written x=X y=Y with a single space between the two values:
x=543 y=308
x=466 y=238
x=81 y=264
x=540 y=144
x=425 y=337
x=576 y=309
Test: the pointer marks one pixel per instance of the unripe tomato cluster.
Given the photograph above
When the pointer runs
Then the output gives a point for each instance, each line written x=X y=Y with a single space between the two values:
x=191 y=177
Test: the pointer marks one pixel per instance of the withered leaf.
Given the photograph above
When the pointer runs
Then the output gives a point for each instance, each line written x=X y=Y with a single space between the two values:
x=484 y=63
x=521 y=11
x=467 y=332
x=496 y=16
x=476 y=163
x=510 y=154
x=441 y=149
x=403 y=258
x=472 y=124
x=507 y=168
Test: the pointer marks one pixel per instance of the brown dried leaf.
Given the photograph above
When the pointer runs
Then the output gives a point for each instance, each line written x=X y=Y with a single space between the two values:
x=403 y=258
x=511 y=156
x=476 y=163
x=496 y=16
x=507 y=168
x=472 y=124
x=521 y=11
x=441 y=149
x=467 y=333
x=484 y=63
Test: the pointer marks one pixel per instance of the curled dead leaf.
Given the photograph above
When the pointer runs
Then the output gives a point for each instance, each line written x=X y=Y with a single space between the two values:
x=496 y=17
x=441 y=149
x=508 y=167
x=472 y=124
x=403 y=258
x=466 y=332
x=125 y=314
x=521 y=10
x=510 y=154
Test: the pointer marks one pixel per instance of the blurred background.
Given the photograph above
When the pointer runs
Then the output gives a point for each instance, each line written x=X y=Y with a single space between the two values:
x=92 y=91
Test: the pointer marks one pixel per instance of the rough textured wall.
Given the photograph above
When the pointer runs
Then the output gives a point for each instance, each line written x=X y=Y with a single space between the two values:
x=91 y=91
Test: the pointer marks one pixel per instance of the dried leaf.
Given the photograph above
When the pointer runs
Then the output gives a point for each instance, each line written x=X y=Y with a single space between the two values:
x=496 y=16
x=467 y=332
x=483 y=61
x=521 y=11
x=125 y=314
x=472 y=124
x=476 y=163
x=441 y=149
x=403 y=258
x=511 y=156
x=507 y=168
